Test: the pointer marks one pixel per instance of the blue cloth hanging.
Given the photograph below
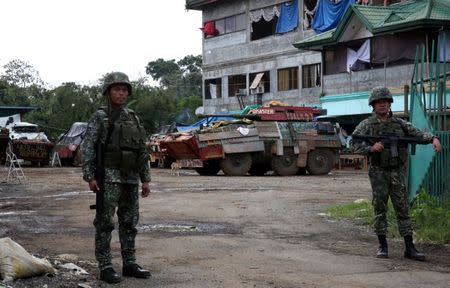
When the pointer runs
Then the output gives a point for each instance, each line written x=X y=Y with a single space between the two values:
x=329 y=14
x=288 y=19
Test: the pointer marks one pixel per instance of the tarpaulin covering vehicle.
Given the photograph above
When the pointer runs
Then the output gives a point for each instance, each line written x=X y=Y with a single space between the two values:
x=69 y=143
x=290 y=145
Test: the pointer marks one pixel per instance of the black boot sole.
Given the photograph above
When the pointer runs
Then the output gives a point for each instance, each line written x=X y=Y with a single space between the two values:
x=137 y=276
x=422 y=258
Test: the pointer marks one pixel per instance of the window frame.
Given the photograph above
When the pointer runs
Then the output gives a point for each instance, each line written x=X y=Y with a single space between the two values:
x=307 y=78
x=235 y=86
x=293 y=81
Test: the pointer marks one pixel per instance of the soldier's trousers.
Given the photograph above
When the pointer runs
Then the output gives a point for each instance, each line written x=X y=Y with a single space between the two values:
x=390 y=183
x=124 y=197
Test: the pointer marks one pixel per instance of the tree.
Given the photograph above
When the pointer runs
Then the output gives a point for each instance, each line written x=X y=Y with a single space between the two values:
x=155 y=111
x=182 y=78
x=61 y=107
x=191 y=64
x=21 y=74
x=161 y=68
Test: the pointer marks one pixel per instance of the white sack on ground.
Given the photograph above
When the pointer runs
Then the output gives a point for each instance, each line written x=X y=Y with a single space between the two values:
x=16 y=262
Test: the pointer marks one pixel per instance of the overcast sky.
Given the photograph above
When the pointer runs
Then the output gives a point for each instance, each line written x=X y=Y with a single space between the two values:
x=79 y=41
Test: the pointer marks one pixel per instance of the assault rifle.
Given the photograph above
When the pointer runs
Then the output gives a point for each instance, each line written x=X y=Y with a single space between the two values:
x=391 y=141
x=100 y=177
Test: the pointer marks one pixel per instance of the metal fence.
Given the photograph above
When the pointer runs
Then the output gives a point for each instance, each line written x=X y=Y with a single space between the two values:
x=430 y=95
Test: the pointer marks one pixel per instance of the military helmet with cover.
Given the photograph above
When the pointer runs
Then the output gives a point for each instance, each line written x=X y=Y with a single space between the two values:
x=379 y=93
x=116 y=78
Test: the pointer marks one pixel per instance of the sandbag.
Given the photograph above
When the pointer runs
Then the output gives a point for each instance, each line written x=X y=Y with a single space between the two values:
x=16 y=262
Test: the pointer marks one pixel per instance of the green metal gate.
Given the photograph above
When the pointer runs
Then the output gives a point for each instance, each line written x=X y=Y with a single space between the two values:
x=428 y=111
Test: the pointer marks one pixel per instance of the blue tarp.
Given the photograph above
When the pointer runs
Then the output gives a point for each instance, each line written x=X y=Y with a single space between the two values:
x=329 y=14
x=288 y=19
x=204 y=122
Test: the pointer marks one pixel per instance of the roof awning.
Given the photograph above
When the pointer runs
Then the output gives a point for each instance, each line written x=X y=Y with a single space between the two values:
x=257 y=80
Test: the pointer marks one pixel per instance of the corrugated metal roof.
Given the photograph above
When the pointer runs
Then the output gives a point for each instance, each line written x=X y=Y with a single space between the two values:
x=197 y=4
x=380 y=19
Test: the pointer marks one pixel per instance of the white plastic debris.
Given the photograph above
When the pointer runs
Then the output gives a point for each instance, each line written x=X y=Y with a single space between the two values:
x=243 y=130
x=16 y=262
x=359 y=201
x=74 y=269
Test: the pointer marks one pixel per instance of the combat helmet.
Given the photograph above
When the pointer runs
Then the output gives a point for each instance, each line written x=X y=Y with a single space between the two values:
x=379 y=93
x=116 y=78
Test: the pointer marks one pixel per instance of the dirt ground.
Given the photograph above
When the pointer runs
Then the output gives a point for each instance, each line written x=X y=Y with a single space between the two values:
x=203 y=231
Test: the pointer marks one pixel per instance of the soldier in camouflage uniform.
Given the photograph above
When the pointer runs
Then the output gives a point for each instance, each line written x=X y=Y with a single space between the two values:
x=387 y=174
x=126 y=162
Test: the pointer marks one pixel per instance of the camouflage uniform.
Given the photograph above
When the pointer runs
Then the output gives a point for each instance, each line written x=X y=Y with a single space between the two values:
x=121 y=187
x=387 y=174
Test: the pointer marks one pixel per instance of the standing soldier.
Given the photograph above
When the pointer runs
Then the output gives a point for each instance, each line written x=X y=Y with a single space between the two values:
x=115 y=135
x=387 y=173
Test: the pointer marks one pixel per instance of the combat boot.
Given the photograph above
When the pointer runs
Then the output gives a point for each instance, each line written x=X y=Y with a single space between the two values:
x=109 y=275
x=411 y=251
x=382 y=251
x=134 y=270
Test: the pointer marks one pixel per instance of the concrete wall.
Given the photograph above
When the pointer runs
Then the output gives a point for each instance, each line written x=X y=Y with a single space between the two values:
x=234 y=53
x=345 y=83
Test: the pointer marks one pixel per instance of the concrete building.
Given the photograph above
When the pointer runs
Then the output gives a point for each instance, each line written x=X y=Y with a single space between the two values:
x=376 y=46
x=244 y=42
x=301 y=67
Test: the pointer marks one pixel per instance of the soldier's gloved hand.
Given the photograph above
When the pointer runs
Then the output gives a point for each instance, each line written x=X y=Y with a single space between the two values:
x=93 y=185
x=377 y=147
x=145 y=189
x=437 y=145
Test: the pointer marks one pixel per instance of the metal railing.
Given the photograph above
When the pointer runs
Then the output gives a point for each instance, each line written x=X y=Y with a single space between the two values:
x=428 y=111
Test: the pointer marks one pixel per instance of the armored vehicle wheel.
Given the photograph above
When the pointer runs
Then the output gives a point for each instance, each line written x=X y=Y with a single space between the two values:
x=210 y=168
x=320 y=161
x=285 y=165
x=236 y=164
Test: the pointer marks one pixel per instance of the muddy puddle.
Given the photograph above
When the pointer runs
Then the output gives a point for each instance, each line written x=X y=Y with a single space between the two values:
x=190 y=228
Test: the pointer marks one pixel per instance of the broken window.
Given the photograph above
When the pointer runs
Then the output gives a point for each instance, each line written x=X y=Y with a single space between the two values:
x=236 y=82
x=226 y=25
x=311 y=75
x=310 y=8
x=264 y=22
x=335 y=60
x=265 y=80
x=288 y=79
x=213 y=88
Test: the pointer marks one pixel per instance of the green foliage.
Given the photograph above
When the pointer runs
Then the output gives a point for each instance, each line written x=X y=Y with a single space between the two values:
x=59 y=108
x=161 y=68
x=21 y=74
x=430 y=218
x=191 y=63
x=155 y=111
x=180 y=79
x=360 y=212
x=62 y=106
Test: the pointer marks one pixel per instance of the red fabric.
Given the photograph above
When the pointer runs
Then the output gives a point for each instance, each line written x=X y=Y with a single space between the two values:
x=210 y=29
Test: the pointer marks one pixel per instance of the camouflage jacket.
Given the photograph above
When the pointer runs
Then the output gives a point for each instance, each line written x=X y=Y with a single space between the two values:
x=96 y=131
x=366 y=126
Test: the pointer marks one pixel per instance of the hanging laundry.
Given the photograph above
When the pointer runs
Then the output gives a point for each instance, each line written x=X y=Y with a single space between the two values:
x=363 y=55
x=288 y=19
x=210 y=29
x=329 y=14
